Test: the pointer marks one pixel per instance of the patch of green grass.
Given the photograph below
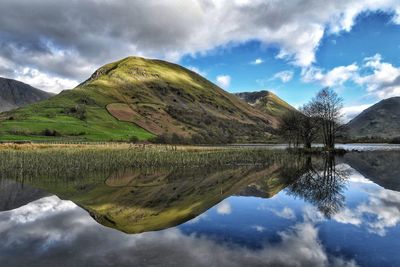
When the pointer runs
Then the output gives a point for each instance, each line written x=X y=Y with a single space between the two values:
x=275 y=106
x=30 y=122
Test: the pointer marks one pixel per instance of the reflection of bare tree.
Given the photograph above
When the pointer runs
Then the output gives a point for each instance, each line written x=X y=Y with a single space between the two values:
x=321 y=183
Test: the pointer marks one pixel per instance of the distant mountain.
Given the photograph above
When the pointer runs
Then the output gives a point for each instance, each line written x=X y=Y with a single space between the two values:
x=15 y=94
x=266 y=102
x=142 y=98
x=381 y=120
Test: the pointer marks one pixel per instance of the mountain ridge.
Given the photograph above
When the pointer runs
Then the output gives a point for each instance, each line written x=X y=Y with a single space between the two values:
x=267 y=102
x=381 y=120
x=142 y=98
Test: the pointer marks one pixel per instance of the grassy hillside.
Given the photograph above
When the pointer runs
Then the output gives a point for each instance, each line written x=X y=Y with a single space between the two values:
x=14 y=94
x=267 y=102
x=142 y=98
x=381 y=120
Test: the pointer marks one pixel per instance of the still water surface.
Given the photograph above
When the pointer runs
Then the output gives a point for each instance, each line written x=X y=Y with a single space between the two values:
x=309 y=212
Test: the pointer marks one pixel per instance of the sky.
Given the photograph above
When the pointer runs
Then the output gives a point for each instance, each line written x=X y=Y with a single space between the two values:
x=292 y=48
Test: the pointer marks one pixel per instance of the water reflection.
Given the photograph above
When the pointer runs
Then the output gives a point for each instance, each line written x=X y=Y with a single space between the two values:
x=321 y=183
x=140 y=200
x=300 y=212
x=381 y=167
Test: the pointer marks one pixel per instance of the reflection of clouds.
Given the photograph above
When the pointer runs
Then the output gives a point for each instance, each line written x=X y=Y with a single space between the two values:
x=312 y=214
x=385 y=205
x=224 y=208
x=258 y=228
x=357 y=177
x=382 y=203
x=347 y=216
x=198 y=219
x=32 y=211
x=286 y=213
x=69 y=237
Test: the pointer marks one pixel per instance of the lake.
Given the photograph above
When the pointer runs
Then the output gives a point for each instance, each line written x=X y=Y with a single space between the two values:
x=301 y=211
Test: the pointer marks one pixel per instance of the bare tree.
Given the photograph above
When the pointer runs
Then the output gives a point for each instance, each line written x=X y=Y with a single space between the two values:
x=289 y=128
x=326 y=108
x=300 y=127
x=308 y=125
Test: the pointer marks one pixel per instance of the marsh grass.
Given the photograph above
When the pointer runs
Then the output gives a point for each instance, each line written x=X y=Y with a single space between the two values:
x=26 y=161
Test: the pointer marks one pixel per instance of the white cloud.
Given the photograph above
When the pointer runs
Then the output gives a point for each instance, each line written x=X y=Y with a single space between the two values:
x=37 y=78
x=224 y=81
x=384 y=81
x=74 y=45
x=257 y=61
x=284 y=76
x=333 y=78
x=224 y=208
x=45 y=81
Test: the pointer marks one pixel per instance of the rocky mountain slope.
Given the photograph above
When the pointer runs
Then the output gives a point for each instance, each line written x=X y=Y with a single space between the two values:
x=381 y=120
x=267 y=102
x=14 y=94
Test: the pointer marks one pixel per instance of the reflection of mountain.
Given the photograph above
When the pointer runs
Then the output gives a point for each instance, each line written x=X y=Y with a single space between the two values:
x=266 y=188
x=144 y=200
x=141 y=200
x=14 y=195
x=381 y=167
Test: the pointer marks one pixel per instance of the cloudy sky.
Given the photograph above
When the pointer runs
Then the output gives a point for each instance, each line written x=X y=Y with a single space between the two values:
x=290 y=47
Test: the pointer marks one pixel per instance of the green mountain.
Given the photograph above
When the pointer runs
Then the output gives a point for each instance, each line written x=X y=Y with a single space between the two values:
x=141 y=98
x=381 y=120
x=266 y=102
x=14 y=94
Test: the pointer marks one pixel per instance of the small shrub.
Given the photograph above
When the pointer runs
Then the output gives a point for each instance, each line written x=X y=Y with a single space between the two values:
x=133 y=139
x=48 y=132
x=81 y=111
